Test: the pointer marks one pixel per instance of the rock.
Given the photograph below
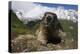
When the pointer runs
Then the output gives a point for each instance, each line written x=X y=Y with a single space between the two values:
x=21 y=42
x=71 y=27
x=43 y=48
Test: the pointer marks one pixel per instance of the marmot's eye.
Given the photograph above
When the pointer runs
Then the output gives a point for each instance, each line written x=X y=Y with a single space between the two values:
x=49 y=18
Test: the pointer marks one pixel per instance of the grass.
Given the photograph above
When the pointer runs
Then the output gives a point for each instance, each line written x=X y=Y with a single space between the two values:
x=72 y=33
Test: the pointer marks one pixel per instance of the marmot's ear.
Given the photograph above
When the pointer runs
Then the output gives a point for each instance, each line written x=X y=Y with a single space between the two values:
x=55 y=20
x=44 y=17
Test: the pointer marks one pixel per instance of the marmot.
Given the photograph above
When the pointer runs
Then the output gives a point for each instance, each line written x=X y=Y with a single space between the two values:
x=49 y=29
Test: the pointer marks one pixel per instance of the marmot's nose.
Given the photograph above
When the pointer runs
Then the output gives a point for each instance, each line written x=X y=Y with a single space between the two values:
x=49 y=18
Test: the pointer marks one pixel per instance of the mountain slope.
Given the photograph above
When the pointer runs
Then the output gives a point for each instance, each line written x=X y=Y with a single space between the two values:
x=17 y=26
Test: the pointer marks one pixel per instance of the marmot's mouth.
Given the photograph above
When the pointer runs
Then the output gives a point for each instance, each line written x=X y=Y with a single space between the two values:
x=48 y=23
x=48 y=20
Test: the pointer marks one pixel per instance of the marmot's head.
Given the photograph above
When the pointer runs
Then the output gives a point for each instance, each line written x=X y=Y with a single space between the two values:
x=50 y=19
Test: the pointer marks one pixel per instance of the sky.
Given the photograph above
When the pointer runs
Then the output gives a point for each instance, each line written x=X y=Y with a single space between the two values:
x=66 y=6
x=36 y=10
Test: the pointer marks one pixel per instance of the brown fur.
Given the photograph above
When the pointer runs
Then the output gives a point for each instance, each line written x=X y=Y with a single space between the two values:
x=49 y=30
